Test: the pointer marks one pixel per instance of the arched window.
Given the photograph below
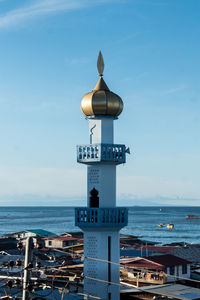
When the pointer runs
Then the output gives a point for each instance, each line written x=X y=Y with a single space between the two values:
x=94 y=199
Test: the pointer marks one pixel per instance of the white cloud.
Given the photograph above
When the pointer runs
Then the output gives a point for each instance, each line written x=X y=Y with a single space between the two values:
x=175 y=90
x=37 y=8
x=42 y=7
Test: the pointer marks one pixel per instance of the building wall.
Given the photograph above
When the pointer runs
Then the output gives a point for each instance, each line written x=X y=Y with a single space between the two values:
x=101 y=130
x=56 y=243
x=35 y=241
x=145 y=277
x=103 y=179
x=178 y=273
x=27 y=234
x=96 y=246
x=53 y=243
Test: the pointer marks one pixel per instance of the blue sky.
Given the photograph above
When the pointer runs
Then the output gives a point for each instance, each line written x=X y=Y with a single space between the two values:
x=48 y=53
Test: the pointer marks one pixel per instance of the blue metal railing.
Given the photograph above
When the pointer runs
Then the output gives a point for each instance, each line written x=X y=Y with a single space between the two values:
x=101 y=217
x=101 y=152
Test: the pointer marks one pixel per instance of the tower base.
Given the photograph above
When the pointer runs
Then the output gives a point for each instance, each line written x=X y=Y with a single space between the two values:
x=102 y=278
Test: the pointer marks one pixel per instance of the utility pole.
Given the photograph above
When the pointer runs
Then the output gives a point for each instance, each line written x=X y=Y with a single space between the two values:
x=28 y=259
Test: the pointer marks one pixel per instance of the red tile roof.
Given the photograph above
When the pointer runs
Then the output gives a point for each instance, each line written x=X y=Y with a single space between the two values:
x=168 y=260
x=158 y=262
x=158 y=248
x=147 y=266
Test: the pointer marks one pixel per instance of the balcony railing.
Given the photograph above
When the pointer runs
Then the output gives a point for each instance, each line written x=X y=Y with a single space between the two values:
x=101 y=217
x=144 y=276
x=101 y=153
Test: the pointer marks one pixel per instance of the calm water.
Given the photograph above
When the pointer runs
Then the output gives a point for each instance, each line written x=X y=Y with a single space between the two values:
x=143 y=221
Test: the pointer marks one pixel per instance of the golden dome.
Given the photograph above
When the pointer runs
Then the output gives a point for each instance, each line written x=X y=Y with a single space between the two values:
x=101 y=101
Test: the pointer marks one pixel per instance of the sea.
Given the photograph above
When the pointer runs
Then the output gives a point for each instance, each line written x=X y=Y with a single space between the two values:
x=143 y=222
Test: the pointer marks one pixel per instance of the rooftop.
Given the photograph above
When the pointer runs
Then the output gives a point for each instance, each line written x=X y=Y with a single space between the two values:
x=174 y=291
x=168 y=260
x=191 y=253
x=41 y=232
x=158 y=262
x=177 y=291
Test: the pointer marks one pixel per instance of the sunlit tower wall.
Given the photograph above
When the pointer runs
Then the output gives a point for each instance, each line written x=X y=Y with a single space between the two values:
x=101 y=220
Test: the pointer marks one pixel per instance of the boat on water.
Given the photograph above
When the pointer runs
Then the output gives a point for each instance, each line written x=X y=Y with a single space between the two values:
x=161 y=225
x=170 y=226
x=192 y=217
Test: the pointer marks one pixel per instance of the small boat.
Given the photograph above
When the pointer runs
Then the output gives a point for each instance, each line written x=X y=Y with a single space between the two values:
x=161 y=225
x=170 y=226
x=192 y=217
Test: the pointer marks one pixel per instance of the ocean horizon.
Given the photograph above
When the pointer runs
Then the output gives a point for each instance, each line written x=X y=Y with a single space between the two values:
x=143 y=221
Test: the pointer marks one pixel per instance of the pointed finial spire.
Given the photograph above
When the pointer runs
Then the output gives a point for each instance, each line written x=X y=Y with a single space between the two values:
x=100 y=64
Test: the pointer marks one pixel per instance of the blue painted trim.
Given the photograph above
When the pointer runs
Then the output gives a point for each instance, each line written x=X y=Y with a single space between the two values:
x=110 y=153
x=101 y=217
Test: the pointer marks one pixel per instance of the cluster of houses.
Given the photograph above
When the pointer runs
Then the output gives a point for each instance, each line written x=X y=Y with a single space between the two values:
x=146 y=268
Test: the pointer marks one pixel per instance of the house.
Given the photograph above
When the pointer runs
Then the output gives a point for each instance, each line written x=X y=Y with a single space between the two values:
x=76 y=234
x=29 y=233
x=37 y=232
x=15 y=235
x=156 y=269
x=60 y=242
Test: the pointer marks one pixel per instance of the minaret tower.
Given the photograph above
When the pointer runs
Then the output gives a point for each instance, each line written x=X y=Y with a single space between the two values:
x=101 y=220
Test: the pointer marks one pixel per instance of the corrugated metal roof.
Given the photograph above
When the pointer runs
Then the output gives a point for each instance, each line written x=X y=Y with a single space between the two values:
x=177 y=291
x=191 y=253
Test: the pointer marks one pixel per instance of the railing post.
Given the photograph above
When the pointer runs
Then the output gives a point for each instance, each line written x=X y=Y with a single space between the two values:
x=101 y=216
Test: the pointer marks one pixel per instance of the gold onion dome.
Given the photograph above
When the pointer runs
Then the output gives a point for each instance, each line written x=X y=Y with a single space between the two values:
x=101 y=101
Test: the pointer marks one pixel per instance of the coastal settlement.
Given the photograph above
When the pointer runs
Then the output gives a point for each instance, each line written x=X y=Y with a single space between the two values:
x=55 y=267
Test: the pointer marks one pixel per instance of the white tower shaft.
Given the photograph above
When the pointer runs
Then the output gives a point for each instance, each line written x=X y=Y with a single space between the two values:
x=101 y=130
x=101 y=220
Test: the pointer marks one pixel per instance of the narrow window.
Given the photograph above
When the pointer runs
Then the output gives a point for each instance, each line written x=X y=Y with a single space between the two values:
x=94 y=199
x=109 y=258
x=184 y=269
x=172 y=270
